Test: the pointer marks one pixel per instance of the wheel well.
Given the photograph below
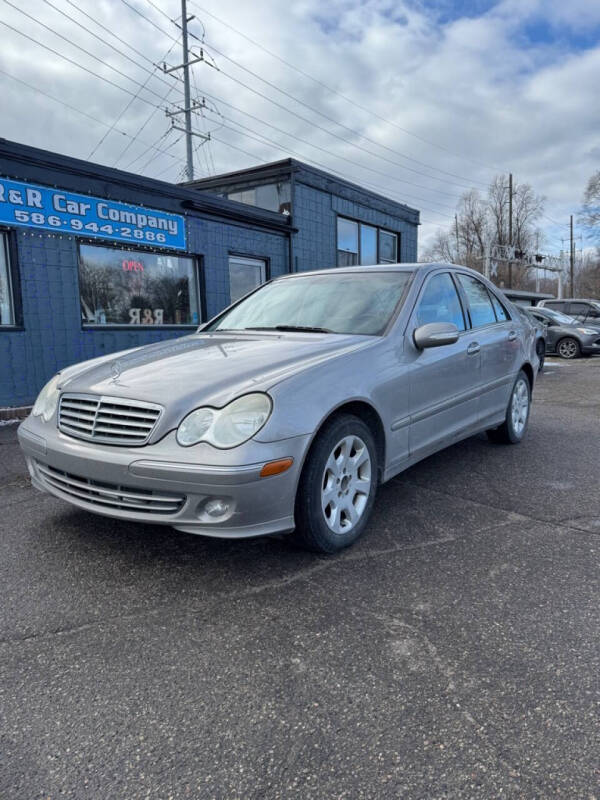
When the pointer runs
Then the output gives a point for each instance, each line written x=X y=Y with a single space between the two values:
x=528 y=370
x=370 y=417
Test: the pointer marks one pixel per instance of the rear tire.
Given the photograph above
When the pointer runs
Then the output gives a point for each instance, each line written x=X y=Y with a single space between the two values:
x=337 y=487
x=568 y=348
x=515 y=424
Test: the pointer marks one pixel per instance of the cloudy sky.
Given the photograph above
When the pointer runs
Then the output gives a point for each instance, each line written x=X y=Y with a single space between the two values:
x=416 y=99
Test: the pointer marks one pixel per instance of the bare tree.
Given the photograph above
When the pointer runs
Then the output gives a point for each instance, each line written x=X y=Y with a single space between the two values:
x=440 y=249
x=590 y=212
x=482 y=219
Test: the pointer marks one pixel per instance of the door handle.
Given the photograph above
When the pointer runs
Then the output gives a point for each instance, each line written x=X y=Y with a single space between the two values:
x=473 y=348
x=512 y=335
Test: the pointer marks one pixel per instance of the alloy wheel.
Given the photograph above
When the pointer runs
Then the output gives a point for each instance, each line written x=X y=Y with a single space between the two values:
x=520 y=406
x=567 y=348
x=346 y=484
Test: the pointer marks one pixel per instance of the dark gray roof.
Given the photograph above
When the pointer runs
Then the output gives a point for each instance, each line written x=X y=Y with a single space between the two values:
x=32 y=164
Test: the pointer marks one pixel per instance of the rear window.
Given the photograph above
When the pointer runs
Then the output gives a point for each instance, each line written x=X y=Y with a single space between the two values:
x=480 y=305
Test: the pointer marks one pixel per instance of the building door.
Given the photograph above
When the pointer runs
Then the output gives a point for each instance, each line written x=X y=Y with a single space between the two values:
x=245 y=274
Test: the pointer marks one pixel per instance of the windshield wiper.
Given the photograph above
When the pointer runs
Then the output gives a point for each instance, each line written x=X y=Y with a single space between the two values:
x=291 y=328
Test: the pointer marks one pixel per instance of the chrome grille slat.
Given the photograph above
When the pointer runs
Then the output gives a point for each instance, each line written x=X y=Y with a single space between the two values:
x=77 y=426
x=72 y=414
x=107 y=409
x=109 y=420
x=97 y=493
x=118 y=432
x=104 y=420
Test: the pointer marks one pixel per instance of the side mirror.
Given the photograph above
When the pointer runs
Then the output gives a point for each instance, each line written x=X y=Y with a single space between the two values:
x=435 y=334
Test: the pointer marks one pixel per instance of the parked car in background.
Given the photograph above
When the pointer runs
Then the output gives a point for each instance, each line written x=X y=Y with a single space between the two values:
x=582 y=310
x=540 y=328
x=289 y=408
x=566 y=337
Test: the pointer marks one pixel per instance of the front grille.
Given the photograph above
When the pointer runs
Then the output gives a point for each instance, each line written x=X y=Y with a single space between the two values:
x=110 y=420
x=109 y=495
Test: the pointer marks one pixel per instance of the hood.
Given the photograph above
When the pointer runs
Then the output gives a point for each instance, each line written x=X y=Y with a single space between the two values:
x=206 y=368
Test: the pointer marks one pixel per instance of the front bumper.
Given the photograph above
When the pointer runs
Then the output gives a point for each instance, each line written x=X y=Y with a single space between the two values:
x=166 y=484
x=590 y=344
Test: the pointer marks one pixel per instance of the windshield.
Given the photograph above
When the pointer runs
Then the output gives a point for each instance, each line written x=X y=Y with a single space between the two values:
x=557 y=316
x=335 y=302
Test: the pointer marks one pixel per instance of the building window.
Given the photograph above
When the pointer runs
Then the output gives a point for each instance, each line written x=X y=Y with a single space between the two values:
x=364 y=244
x=7 y=306
x=270 y=196
x=245 y=274
x=368 y=245
x=133 y=287
x=388 y=247
x=347 y=242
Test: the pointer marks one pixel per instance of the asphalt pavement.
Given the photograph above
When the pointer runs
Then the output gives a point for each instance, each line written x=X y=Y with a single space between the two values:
x=454 y=652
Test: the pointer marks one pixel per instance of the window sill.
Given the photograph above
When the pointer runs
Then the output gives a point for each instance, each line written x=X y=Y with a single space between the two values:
x=187 y=326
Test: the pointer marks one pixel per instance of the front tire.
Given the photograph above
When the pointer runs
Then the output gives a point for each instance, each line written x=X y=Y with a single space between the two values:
x=337 y=486
x=568 y=348
x=515 y=423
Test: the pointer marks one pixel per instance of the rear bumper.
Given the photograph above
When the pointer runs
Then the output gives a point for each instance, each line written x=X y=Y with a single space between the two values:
x=166 y=484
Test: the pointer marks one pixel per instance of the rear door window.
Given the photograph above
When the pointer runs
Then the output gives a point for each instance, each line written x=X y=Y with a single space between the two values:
x=480 y=305
x=501 y=312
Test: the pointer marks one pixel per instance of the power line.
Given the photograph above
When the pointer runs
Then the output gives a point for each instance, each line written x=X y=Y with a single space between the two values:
x=314 y=110
x=323 y=166
x=140 y=129
x=118 y=38
x=335 y=91
x=77 y=110
x=83 y=50
x=127 y=107
x=379 y=189
x=341 y=138
x=353 y=131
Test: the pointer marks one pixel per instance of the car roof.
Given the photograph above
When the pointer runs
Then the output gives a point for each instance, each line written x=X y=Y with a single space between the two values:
x=420 y=267
x=571 y=300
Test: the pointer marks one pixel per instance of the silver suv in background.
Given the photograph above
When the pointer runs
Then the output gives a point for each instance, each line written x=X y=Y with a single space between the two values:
x=584 y=311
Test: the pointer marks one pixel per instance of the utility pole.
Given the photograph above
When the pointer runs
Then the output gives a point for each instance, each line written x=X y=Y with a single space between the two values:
x=186 y=93
x=188 y=106
x=510 y=225
x=572 y=259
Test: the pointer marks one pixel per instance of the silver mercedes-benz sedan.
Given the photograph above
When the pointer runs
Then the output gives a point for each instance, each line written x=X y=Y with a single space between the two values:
x=286 y=411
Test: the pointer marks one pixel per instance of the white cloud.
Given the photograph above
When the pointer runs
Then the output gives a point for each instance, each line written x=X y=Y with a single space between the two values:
x=475 y=86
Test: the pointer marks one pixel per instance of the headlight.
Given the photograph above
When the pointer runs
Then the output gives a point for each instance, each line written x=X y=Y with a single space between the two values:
x=226 y=427
x=587 y=331
x=47 y=400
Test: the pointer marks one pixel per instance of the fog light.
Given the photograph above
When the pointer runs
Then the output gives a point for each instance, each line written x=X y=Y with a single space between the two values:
x=216 y=507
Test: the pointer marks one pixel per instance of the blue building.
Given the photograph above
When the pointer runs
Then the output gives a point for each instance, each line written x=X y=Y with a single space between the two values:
x=94 y=260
